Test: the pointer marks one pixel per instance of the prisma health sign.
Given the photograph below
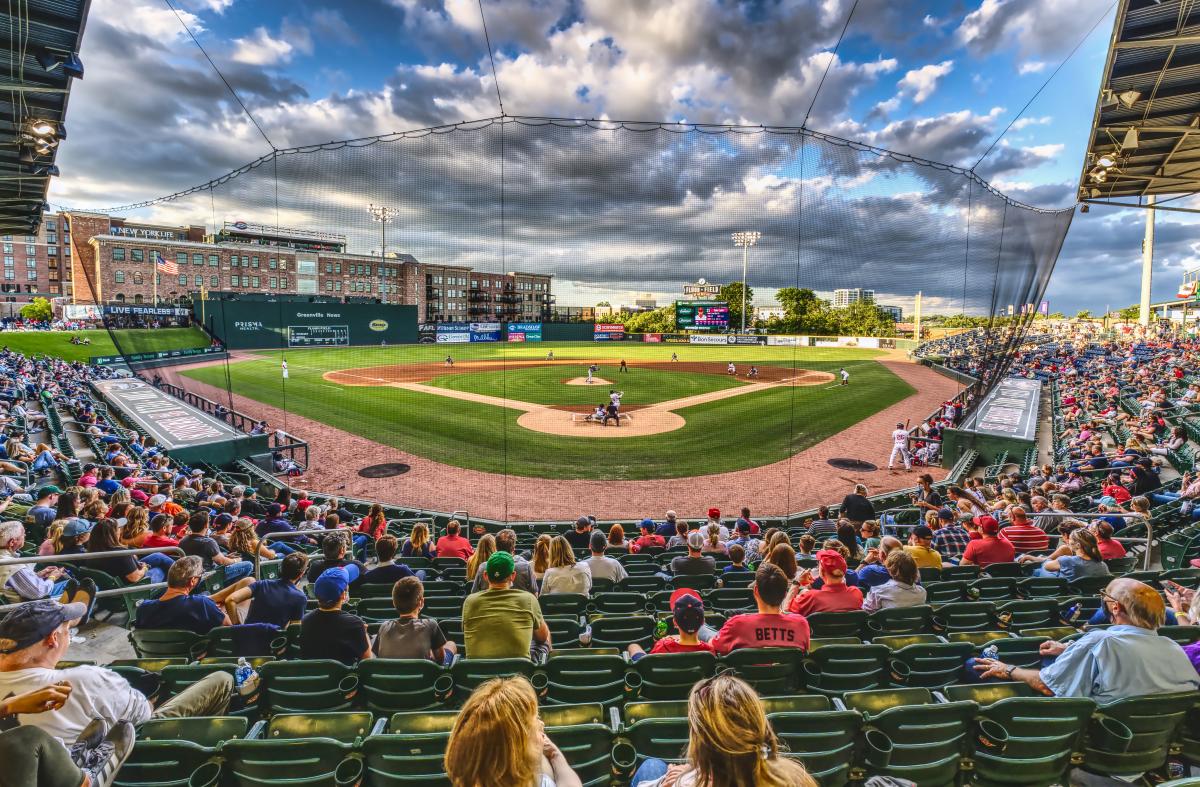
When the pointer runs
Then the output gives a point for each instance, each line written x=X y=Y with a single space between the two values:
x=701 y=315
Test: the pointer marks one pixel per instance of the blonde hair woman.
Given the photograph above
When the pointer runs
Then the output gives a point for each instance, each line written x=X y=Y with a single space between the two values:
x=713 y=543
x=486 y=548
x=541 y=556
x=498 y=739
x=730 y=744
x=136 y=528
x=243 y=542
x=417 y=543
x=564 y=574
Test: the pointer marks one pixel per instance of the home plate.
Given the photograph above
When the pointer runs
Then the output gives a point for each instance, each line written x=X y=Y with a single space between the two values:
x=584 y=381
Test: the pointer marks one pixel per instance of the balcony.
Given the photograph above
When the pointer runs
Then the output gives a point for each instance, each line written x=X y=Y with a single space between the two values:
x=478 y=296
x=478 y=310
x=509 y=297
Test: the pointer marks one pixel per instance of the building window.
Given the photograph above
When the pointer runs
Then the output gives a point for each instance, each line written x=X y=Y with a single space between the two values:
x=339 y=285
x=214 y=282
x=254 y=262
x=31 y=275
x=181 y=258
x=197 y=259
x=30 y=249
x=329 y=267
x=254 y=280
x=233 y=281
x=283 y=282
x=118 y=254
x=213 y=260
x=52 y=251
x=137 y=298
x=233 y=261
x=9 y=262
x=137 y=255
x=274 y=281
x=30 y=263
x=283 y=265
x=337 y=267
x=119 y=277
x=183 y=280
x=66 y=251
x=137 y=277
x=272 y=264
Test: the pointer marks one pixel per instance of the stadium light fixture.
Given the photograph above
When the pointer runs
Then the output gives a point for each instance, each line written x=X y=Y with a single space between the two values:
x=41 y=128
x=1131 y=140
x=1128 y=98
x=1107 y=99
x=745 y=239
x=382 y=214
x=1106 y=161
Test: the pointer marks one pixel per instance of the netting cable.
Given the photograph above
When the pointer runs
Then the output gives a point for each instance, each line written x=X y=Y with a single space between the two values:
x=491 y=58
x=829 y=63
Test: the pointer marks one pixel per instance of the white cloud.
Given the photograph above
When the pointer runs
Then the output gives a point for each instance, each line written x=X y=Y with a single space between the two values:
x=920 y=83
x=262 y=49
x=1034 y=27
x=216 y=6
x=1031 y=67
x=1021 y=123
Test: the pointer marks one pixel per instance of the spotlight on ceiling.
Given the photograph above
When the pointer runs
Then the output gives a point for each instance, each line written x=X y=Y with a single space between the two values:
x=1106 y=161
x=1131 y=140
x=42 y=128
x=1107 y=99
x=1128 y=98
x=1084 y=208
x=71 y=65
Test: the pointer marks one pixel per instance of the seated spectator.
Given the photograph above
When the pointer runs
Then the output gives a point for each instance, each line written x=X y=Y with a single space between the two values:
x=135 y=528
x=648 y=539
x=44 y=509
x=1127 y=659
x=485 y=548
x=873 y=571
x=34 y=638
x=278 y=602
x=920 y=548
x=784 y=556
x=506 y=541
x=1110 y=548
x=539 y=561
x=823 y=527
x=581 y=536
x=694 y=563
x=730 y=743
x=333 y=555
x=106 y=537
x=737 y=558
x=417 y=544
x=616 y=538
x=687 y=610
x=388 y=571
x=834 y=595
x=680 y=537
x=901 y=590
x=950 y=538
x=1023 y=534
x=989 y=548
x=768 y=627
x=329 y=632
x=275 y=522
x=846 y=533
x=21 y=582
x=565 y=574
x=869 y=533
x=503 y=622
x=179 y=608
x=199 y=542
x=245 y=545
x=159 y=536
x=1077 y=558
x=75 y=536
x=743 y=538
x=600 y=565
x=498 y=739
x=30 y=756
x=410 y=636
x=452 y=544
x=713 y=545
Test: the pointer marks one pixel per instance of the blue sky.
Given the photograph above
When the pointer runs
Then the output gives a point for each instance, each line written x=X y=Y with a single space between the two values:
x=936 y=79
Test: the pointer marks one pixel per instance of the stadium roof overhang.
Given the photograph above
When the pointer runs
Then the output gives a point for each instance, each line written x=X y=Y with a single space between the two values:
x=1145 y=137
x=42 y=38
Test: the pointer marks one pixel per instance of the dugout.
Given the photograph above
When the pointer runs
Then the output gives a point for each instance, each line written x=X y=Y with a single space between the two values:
x=286 y=323
x=1005 y=422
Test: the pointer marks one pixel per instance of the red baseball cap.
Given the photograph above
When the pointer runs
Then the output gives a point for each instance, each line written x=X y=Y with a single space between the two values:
x=831 y=561
x=713 y=513
x=987 y=524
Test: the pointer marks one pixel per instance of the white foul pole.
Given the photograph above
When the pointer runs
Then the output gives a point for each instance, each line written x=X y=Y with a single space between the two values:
x=1147 y=263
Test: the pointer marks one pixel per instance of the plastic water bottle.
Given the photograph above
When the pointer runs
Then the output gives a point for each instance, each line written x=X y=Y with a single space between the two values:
x=1072 y=614
x=990 y=652
x=660 y=628
x=243 y=672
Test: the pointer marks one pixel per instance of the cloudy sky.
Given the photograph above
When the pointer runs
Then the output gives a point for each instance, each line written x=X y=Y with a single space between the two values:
x=612 y=213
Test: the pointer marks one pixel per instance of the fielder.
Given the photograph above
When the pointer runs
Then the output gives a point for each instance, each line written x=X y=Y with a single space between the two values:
x=624 y=367
x=674 y=356
x=731 y=369
x=283 y=368
x=449 y=360
x=845 y=376
x=753 y=373
x=900 y=446
x=550 y=355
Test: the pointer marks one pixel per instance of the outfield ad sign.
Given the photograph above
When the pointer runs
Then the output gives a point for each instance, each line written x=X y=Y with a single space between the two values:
x=524 y=331
x=702 y=339
x=453 y=333
x=787 y=341
x=485 y=331
x=608 y=332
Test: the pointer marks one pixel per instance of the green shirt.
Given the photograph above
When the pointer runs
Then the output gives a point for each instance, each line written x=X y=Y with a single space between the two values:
x=499 y=624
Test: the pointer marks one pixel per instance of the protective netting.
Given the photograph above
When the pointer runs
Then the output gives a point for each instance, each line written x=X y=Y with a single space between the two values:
x=616 y=215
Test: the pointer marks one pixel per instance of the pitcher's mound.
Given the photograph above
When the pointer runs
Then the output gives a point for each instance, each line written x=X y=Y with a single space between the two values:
x=584 y=381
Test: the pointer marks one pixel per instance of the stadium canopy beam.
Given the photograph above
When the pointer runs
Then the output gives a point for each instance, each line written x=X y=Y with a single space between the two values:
x=1146 y=206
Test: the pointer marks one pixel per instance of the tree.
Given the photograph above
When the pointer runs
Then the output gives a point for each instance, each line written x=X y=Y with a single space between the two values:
x=1130 y=313
x=1083 y=314
x=604 y=303
x=732 y=294
x=40 y=310
x=803 y=312
x=656 y=321
x=864 y=318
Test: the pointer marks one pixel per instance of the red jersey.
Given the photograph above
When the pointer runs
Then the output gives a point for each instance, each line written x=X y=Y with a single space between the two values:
x=651 y=540
x=755 y=630
x=155 y=540
x=985 y=551
x=1110 y=549
x=672 y=645
x=1026 y=538
x=454 y=546
x=838 y=597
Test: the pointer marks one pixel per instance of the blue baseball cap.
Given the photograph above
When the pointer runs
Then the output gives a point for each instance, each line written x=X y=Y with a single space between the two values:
x=24 y=624
x=333 y=582
x=77 y=526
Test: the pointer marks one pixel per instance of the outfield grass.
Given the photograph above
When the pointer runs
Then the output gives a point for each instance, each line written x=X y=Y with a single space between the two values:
x=131 y=340
x=733 y=434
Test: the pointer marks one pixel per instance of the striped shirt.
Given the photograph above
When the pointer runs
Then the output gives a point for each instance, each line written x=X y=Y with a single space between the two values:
x=1025 y=537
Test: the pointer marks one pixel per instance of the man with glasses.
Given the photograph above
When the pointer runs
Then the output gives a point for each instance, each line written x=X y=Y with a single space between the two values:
x=1127 y=659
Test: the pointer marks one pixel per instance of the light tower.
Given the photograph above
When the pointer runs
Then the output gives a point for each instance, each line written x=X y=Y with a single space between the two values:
x=745 y=239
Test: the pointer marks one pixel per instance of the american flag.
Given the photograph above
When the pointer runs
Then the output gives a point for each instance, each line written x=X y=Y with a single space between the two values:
x=165 y=266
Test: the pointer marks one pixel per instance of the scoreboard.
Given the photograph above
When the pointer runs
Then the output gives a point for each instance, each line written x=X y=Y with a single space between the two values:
x=701 y=315
x=318 y=336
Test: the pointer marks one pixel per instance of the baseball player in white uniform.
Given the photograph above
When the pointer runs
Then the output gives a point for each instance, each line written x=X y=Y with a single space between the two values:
x=900 y=446
x=589 y=377
x=615 y=397
x=283 y=367
x=845 y=376
x=731 y=369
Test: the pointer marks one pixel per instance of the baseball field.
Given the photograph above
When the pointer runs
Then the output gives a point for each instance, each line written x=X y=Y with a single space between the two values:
x=511 y=409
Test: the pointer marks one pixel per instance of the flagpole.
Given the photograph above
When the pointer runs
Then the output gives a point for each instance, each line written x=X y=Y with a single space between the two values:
x=155 y=282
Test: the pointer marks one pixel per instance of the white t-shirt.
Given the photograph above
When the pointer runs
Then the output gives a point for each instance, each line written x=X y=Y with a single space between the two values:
x=96 y=693
x=900 y=437
x=575 y=579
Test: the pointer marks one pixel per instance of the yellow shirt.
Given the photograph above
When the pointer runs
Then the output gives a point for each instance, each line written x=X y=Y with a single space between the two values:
x=925 y=557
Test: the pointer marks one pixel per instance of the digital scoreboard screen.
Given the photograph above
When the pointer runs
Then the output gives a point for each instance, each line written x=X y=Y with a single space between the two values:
x=701 y=315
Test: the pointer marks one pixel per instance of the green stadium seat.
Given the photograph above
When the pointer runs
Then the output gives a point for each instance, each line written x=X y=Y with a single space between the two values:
x=930 y=665
x=585 y=739
x=641 y=584
x=837 y=624
x=167 y=643
x=737 y=579
x=984 y=694
x=308 y=686
x=992 y=588
x=1184 y=635
x=564 y=631
x=960 y=572
x=411 y=752
x=439 y=607
x=1009 y=570
x=311 y=748
x=470 y=673
x=1154 y=722
x=1043 y=735
x=580 y=677
x=222 y=644
x=966 y=616
x=1042 y=587
x=900 y=620
x=928 y=739
x=619 y=631
x=651 y=729
x=897 y=641
x=618 y=603
x=395 y=685
x=1029 y=614
x=177 y=677
x=840 y=668
x=168 y=751
x=820 y=737
x=946 y=591
x=563 y=604
x=769 y=670
x=730 y=600
x=1089 y=586
x=669 y=676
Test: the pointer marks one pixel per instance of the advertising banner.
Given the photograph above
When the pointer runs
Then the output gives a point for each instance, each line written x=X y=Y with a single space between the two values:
x=740 y=339
x=453 y=333
x=608 y=332
x=675 y=338
x=694 y=339
x=528 y=331
x=653 y=338
x=154 y=311
x=787 y=341
x=82 y=311
x=427 y=333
